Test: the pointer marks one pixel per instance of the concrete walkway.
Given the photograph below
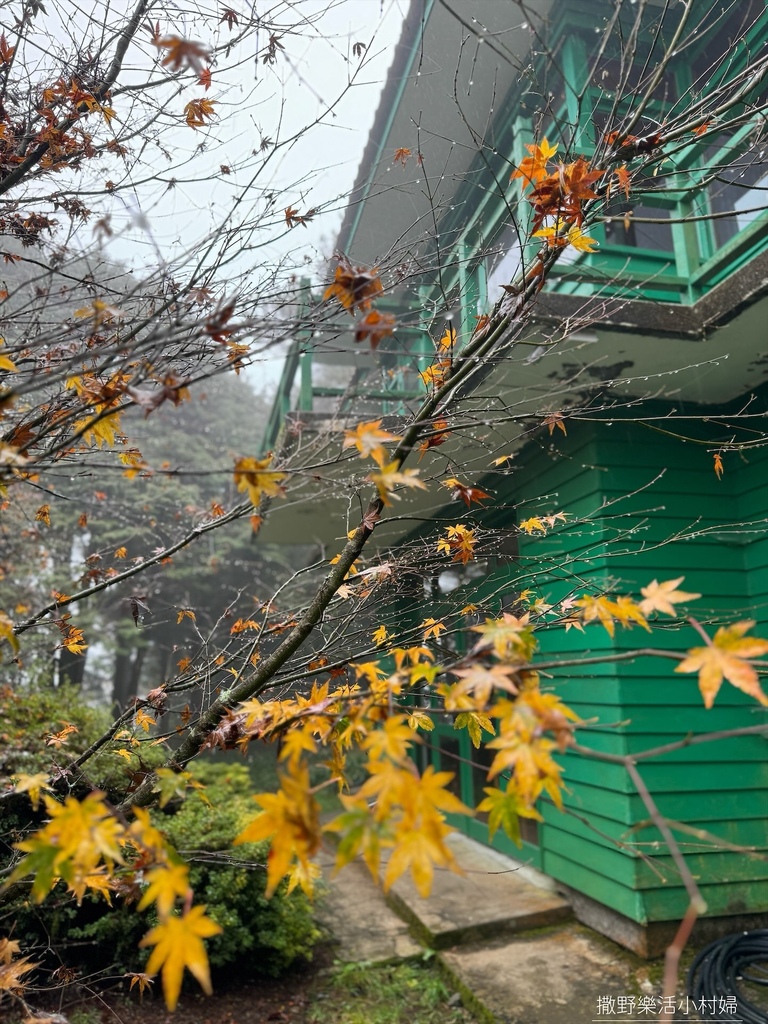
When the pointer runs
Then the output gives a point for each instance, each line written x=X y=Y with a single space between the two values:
x=504 y=936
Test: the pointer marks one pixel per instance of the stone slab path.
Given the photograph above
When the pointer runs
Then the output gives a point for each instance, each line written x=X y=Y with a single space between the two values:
x=501 y=932
x=492 y=897
x=355 y=911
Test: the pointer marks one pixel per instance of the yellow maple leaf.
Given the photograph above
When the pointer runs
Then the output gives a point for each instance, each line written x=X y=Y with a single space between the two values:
x=725 y=656
x=380 y=636
x=101 y=312
x=529 y=761
x=416 y=805
x=580 y=241
x=448 y=340
x=459 y=542
x=296 y=742
x=662 y=597
x=291 y=818
x=32 y=784
x=305 y=874
x=393 y=740
x=391 y=476
x=9 y=948
x=420 y=720
x=74 y=641
x=178 y=944
x=11 y=971
x=144 y=720
x=79 y=836
x=369 y=439
x=6 y=631
x=166 y=882
x=481 y=680
x=504 y=808
x=100 y=429
x=432 y=627
x=533 y=525
x=510 y=637
x=627 y=612
x=554 y=237
x=598 y=609
x=252 y=475
x=435 y=375
x=474 y=722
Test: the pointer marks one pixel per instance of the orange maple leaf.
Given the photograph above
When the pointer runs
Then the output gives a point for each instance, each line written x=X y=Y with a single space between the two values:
x=464 y=492
x=624 y=178
x=354 y=286
x=534 y=167
x=196 y=112
x=440 y=436
x=374 y=327
x=43 y=515
x=6 y=50
x=181 y=52
x=459 y=542
x=555 y=420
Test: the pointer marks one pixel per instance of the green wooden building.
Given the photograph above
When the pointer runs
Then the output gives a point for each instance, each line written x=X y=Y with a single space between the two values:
x=658 y=341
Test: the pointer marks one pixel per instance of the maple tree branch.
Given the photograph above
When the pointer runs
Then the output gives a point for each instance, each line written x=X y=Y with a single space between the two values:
x=697 y=900
x=236 y=513
x=510 y=309
x=599 y=659
x=668 y=748
x=127 y=34
x=672 y=959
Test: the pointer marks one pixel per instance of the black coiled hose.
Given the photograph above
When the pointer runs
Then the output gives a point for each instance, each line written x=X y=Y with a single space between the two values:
x=715 y=973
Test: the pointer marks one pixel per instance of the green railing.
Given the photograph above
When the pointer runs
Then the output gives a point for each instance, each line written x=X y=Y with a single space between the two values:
x=393 y=391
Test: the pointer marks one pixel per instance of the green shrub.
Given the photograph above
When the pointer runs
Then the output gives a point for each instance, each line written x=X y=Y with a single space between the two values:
x=261 y=937
x=28 y=717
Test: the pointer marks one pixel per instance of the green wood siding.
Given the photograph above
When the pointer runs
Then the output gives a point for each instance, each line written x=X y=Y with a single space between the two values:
x=641 y=489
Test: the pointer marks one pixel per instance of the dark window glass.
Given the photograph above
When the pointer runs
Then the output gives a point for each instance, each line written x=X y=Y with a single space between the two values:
x=726 y=25
x=450 y=761
x=741 y=186
x=481 y=762
x=640 y=235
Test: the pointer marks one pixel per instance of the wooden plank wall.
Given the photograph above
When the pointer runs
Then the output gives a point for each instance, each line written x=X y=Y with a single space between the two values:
x=650 y=508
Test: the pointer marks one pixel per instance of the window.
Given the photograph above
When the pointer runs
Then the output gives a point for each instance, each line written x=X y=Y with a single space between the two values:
x=627 y=231
x=743 y=187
